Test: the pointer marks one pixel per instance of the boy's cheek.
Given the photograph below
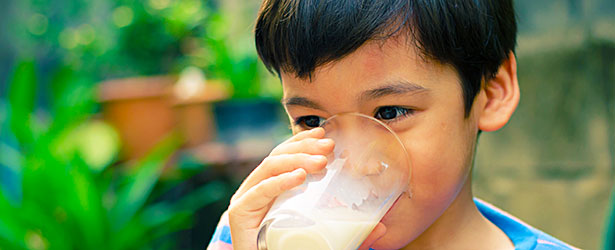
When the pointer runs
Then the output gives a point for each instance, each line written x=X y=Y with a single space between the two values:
x=440 y=166
x=436 y=179
x=439 y=172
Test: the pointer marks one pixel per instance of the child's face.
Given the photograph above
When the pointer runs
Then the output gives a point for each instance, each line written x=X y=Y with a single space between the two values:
x=421 y=100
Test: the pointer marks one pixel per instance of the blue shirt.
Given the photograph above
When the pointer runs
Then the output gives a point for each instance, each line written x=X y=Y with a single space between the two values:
x=523 y=236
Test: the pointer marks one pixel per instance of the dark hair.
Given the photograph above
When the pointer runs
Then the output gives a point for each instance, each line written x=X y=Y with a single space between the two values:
x=474 y=36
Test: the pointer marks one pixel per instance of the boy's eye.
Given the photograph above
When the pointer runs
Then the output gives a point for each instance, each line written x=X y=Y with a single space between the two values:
x=391 y=113
x=310 y=121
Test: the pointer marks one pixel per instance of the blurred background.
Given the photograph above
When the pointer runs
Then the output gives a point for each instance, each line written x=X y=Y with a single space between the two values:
x=129 y=124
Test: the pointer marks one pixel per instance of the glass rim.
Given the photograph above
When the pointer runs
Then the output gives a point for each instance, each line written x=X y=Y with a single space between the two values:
x=389 y=129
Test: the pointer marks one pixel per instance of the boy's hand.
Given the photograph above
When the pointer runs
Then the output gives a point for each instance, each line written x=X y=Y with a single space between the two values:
x=286 y=167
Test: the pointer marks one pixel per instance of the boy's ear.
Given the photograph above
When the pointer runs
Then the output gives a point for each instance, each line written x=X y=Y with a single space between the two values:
x=500 y=96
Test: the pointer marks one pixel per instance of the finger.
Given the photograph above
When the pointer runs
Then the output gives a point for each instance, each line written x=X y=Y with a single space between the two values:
x=314 y=146
x=312 y=133
x=254 y=203
x=278 y=164
x=376 y=234
x=257 y=174
x=246 y=213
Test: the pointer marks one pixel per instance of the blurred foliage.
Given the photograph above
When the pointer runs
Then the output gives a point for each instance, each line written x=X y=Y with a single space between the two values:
x=58 y=189
x=609 y=232
x=125 y=38
x=61 y=186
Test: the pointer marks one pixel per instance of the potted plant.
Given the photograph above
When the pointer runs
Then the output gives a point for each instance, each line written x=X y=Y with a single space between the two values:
x=160 y=38
x=66 y=196
x=253 y=114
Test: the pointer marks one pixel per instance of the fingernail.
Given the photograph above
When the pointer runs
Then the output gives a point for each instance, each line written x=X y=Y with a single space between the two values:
x=297 y=172
x=315 y=129
x=317 y=158
x=325 y=142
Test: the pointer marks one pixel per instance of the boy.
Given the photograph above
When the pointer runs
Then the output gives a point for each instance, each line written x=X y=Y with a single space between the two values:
x=438 y=72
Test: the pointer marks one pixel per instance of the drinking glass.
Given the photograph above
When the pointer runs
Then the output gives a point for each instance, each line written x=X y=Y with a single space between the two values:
x=339 y=206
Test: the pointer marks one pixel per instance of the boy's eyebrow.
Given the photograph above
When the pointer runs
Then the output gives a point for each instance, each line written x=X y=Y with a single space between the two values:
x=300 y=101
x=392 y=88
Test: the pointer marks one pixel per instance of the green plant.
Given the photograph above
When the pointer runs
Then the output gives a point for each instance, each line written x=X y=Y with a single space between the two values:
x=156 y=36
x=69 y=196
x=128 y=38
x=225 y=50
x=233 y=60
x=110 y=38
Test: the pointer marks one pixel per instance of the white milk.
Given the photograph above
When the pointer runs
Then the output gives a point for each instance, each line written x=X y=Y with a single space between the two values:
x=325 y=234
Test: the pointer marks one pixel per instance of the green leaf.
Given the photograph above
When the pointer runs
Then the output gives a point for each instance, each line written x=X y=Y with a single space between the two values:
x=160 y=213
x=98 y=145
x=95 y=142
x=10 y=164
x=22 y=91
x=132 y=236
x=47 y=188
x=11 y=158
x=87 y=209
x=134 y=194
x=11 y=232
x=73 y=98
x=166 y=217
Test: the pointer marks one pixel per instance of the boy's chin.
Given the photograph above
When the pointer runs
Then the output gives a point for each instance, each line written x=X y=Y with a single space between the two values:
x=389 y=241
x=401 y=204
x=396 y=237
x=407 y=219
x=398 y=233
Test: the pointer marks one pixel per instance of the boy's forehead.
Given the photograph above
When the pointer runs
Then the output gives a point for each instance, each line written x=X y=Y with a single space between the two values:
x=375 y=57
x=376 y=63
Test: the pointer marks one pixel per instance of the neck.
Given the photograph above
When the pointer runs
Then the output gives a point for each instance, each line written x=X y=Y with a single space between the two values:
x=462 y=226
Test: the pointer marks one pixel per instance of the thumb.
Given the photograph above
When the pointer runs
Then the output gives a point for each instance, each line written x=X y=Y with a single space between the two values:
x=376 y=234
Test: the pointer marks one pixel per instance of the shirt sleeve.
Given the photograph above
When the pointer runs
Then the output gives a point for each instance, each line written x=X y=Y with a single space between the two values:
x=221 y=240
